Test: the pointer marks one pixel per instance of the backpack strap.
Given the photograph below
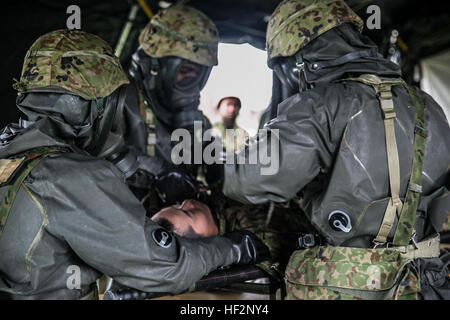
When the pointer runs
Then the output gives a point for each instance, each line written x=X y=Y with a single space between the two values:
x=14 y=171
x=407 y=218
x=407 y=212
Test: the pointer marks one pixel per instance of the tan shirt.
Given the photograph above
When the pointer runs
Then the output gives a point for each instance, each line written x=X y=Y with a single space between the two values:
x=232 y=139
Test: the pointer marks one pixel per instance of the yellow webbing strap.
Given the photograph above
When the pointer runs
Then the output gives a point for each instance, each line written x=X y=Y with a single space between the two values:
x=394 y=204
x=383 y=88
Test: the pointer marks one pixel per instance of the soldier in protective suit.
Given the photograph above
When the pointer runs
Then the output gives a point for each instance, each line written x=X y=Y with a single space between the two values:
x=368 y=153
x=177 y=51
x=66 y=215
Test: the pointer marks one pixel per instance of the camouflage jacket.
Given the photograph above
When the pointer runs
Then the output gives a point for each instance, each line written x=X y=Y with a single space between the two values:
x=230 y=142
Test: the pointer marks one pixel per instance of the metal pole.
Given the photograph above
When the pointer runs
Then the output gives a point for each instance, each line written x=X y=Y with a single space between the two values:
x=126 y=30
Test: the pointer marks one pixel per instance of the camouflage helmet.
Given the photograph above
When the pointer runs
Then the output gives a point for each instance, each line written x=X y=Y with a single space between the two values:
x=295 y=23
x=181 y=31
x=76 y=61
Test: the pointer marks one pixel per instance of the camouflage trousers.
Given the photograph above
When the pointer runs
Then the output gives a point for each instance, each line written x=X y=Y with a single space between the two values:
x=446 y=226
x=277 y=225
x=341 y=273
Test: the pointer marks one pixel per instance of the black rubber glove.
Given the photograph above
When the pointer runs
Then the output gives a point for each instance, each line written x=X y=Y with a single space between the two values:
x=250 y=248
x=175 y=186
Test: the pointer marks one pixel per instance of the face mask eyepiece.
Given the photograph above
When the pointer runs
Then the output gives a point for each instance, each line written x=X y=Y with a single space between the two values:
x=188 y=75
x=287 y=71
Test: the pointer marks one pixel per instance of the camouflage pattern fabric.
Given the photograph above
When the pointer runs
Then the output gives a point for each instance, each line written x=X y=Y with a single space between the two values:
x=277 y=225
x=181 y=31
x=32 y=158
x=231 y=143
x=405 y=224
x=446 y=225
x=338 y=273
x=295 y=23
x=76 y=61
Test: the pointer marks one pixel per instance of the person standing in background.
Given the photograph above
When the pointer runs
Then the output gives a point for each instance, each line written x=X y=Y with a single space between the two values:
x=228 y=108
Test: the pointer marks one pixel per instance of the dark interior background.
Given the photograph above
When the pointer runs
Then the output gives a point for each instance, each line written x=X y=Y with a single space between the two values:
x=424 y=27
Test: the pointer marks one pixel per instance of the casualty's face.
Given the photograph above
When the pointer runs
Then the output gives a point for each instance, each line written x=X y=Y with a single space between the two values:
x=190 y=214
x=229 y=108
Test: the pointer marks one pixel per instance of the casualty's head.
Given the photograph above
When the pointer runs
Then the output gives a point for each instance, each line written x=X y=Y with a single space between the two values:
x=73 y=79
x=177 y=51
x=293 y=26
x=191 y=219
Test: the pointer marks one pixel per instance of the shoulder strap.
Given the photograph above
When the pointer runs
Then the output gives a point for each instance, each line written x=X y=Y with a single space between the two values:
x=407 y=212
x=27 y=160
x=383 y=88
x=407 y=218
x=8 y=168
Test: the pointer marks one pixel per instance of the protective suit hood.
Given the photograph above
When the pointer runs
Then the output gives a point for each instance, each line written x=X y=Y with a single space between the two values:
x=336 y=47
x=336 y=54
x=65 y=119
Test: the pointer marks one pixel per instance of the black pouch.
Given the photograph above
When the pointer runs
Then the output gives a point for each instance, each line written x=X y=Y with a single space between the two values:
x=434 y=277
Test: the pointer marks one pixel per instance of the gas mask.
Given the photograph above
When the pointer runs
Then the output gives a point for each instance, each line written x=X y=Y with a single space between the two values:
x=172 y=87
x=110 y=124
x=93 y=125
x=108 y=128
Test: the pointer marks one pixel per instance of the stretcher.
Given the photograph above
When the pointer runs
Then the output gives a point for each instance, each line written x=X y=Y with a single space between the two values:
x=249 y=279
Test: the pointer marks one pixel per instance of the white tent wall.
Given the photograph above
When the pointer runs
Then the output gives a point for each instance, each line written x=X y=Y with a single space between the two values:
x=436 y=79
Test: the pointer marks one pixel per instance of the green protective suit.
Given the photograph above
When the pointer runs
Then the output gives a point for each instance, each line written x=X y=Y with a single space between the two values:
x=352 y=144
x=73 y=218
x=74 y=210
x=332 y=149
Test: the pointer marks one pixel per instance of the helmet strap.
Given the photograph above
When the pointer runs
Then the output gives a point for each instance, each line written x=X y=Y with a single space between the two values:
x=100 y=106
x=155 y=66
x=301 y=71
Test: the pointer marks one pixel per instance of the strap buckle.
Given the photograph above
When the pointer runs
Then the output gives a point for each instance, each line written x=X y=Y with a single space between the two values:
x=308 y=240
x=388 y=245
x=389 y=114
x=414 y=187
x=378 y=244
x=387 y=105
x=421 y=131
x=413 y=241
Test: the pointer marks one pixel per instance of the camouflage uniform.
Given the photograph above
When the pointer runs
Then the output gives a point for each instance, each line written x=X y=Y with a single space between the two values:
x=446 y=225
x=278 y=225
x=64 y=209
x=231 y=143
x=334 y=144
